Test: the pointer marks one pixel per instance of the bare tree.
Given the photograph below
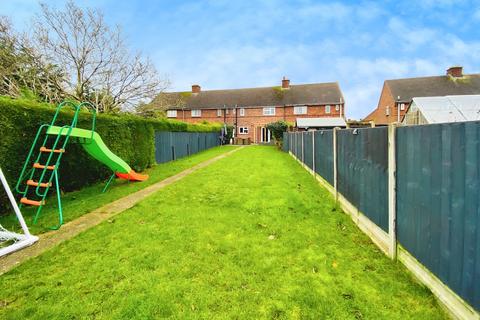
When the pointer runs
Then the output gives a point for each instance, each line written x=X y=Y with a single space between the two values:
x=8 y=59
x=98 y=66
x=21 y=69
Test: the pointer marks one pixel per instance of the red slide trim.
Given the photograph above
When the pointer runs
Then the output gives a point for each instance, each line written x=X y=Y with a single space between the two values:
x=132 y=176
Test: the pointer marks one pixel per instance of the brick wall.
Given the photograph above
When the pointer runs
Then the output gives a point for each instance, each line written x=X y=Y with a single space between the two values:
x=254 y=119
x=387 y=100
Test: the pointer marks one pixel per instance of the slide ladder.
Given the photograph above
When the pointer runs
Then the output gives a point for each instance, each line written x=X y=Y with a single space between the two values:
x=40 y=170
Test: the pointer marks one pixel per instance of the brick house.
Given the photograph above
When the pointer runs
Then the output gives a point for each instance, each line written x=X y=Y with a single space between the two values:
x=397 y=94
x=250 y=110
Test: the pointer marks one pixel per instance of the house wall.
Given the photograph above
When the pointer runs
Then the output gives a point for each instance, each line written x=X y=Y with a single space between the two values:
x=254 y=119
x=387 y=100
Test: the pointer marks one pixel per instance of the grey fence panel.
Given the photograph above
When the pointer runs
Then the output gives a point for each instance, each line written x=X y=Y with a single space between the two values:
x=203 y=141
x=210 y=141
x=175 y=145
x=193 y=142
x=308 y=149
x=363 y=171
x=214 y=139
x=180 y=143
x=298 y=147
x=163 y=147
x=285 y=146
x=438 y=200
x=292 y=141
x=324 y=154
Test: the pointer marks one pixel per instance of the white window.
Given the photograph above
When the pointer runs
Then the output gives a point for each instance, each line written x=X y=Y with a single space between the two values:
x=243 y=130
x=387 y=111
x=171 y=113
x=402 y=106
x=337 y=107
x=269 y=111
x=196 y=113
x=219 y=112
x=242 y=112
x=328 y=108
x=300 y=110
x=226 y=111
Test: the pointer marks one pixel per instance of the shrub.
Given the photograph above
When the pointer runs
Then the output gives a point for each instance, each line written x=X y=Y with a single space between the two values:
x=277 y=129
x=131 y=137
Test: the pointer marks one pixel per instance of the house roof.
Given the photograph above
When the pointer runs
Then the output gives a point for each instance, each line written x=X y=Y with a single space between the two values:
x=378 y=115
x=330 y=122
x=409 y=88
x=449 y=108
x=309 y=94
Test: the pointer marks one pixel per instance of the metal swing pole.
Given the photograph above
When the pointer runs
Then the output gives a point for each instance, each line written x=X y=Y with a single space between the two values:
x=14 y=204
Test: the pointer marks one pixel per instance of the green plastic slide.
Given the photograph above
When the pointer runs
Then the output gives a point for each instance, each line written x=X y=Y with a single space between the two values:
x=94 y=145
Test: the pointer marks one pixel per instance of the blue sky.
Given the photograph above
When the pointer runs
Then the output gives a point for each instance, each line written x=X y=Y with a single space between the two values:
x=236 y=44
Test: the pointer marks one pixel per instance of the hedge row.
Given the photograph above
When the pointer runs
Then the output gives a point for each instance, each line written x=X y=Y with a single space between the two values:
x=131 y=137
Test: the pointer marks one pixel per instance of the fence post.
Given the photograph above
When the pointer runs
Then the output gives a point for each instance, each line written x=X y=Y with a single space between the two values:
x=335 y=175
x=392 y=214
x=313 y=152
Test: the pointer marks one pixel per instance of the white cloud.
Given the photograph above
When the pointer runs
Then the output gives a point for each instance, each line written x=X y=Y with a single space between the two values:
x=408 y=37
x=476 y=14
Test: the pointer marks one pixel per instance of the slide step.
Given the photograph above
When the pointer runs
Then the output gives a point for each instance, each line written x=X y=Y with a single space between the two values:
x=32 y=202
x=41 y=166
x=43 y=149
x=36 y=184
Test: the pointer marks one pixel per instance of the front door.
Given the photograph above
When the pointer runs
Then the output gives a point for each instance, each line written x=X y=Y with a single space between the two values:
x=265 y=135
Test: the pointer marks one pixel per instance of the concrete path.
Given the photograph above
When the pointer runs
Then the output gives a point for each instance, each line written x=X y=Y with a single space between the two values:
x=89 y=220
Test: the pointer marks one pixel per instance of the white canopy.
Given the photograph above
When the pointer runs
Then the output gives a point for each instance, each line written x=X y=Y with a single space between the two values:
x=448 y=108
x=330 y=122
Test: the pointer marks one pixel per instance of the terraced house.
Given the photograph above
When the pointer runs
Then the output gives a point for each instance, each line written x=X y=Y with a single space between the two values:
x=250 y=110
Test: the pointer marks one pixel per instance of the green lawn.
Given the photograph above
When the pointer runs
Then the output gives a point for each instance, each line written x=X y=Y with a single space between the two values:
x=83 y=201
x=251 y=236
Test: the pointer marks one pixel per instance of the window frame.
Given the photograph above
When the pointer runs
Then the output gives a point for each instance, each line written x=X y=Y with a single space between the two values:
x=242 y=112
x=303 y=107
x=268 y=113
x=196 y=115
x=242 y=130
x=219 y=112
x=328 y=108
x=171 y=111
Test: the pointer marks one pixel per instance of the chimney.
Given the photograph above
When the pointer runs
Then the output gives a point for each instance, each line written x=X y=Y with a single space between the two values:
x=285 y=83
x=455 y=72
x=195 y=88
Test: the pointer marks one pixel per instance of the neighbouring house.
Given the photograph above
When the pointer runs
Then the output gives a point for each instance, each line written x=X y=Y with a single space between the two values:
x=397 y=94
x=250 y=110
x=425 y=110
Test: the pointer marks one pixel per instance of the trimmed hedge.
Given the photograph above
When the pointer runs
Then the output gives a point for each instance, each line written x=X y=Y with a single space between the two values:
x=131 y=137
